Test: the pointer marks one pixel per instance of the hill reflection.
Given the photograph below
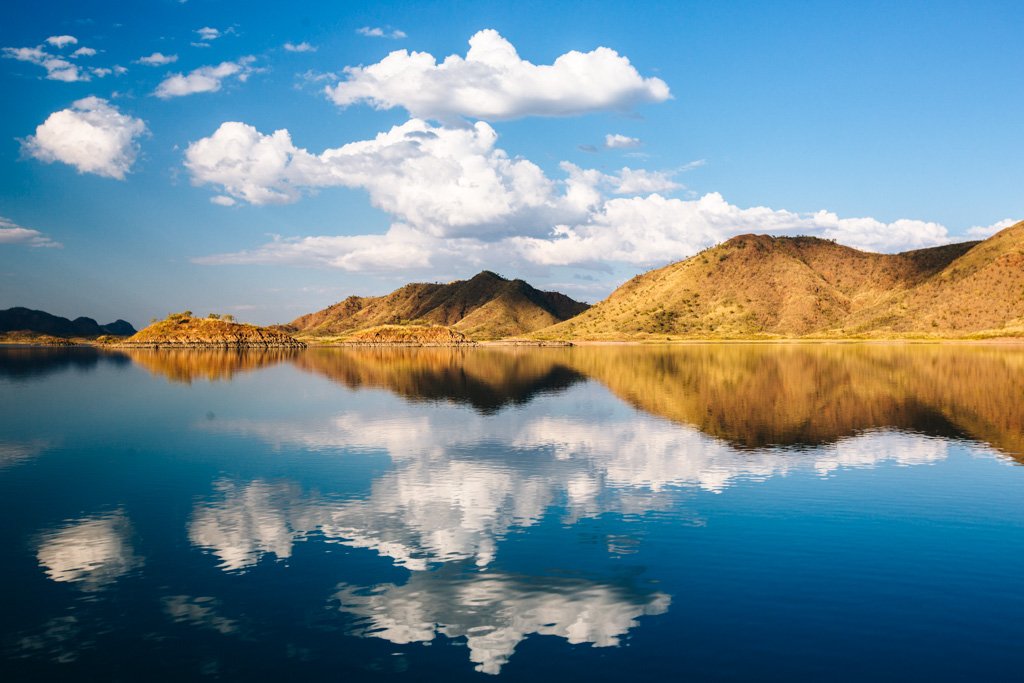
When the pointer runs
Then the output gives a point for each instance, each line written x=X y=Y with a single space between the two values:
x=753 y=396
x=486 y=379
x=187 y=365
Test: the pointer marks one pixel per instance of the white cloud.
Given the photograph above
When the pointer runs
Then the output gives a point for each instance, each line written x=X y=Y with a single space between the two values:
x=640 y=181
x=101 y=72
x=617 y=141
x=492 y=82
x=157 y=59
x=300 y=47
x=205 y=78
x=84 y=52
x=12 y=233
x=654 y=230
x=93 y=136
x=57 y=69
x=377 y=32
x=454 y=194
x=208 y=33
x=449 y=182
x=222 y=200
x=980 y=232
x=62 y=41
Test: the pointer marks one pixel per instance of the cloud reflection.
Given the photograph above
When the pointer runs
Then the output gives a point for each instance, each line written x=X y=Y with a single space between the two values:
x=90 y=552
x=495 y=612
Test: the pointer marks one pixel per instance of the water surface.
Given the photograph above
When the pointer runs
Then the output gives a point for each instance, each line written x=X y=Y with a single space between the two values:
x=707 y=513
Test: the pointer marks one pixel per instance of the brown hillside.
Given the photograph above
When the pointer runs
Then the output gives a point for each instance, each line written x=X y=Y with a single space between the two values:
x=982 y=291
x=486 y=306
x=759 y=286
x=182 y=330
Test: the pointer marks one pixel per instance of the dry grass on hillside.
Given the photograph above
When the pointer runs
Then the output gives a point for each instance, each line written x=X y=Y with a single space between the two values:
x=755 y=286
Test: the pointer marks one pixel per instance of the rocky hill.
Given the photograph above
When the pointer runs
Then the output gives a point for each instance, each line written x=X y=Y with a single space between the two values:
x=759 y=286
x=486 y=306
x=181 y=330
x=21 y=319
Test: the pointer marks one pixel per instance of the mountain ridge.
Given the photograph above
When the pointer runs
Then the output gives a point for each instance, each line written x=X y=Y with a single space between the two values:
x=758 y=286
x=19 y=318
x=486 y=306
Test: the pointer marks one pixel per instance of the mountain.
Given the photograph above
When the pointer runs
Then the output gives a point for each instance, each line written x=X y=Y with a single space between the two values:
x=759 y=286
x=24 y=319
x=486 y=306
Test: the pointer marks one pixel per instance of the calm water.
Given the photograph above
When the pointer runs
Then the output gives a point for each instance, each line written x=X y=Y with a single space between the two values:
x=704 y=513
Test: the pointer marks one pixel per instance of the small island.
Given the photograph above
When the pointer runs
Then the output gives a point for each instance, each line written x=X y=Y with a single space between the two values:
x=182 y=330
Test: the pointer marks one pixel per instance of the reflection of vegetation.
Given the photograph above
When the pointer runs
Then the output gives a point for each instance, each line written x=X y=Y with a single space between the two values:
x=184 y=365
x=759 y=395
x=487 y=379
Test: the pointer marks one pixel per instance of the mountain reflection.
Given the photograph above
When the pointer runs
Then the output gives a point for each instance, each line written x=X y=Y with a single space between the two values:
x=749 y=395
x=186 y=365
x=486 y=379
x=21 y=363
x=495 y=611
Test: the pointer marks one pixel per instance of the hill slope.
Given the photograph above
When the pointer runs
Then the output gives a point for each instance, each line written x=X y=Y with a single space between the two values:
x=759 y=286
x=182 y=330
x=486 y=306
x=25 y=319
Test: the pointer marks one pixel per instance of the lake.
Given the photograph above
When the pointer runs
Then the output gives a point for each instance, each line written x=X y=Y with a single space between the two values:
x=731 y=512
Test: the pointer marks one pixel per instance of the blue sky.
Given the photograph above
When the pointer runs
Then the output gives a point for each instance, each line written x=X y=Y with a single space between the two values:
x=579 y=144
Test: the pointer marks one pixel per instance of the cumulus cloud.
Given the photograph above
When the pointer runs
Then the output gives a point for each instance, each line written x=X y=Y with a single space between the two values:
x=222 y=200
x=157 y=59
x=640 y=181
x=299 y=47
x=62 y=41
x=655 y=229
x=455 y=195
x=205 y=78
x=208 y=33
x=377 y=32
x=493 y=82
x=12 y=233
x=93 y=136
x=57 y=69
x=84 y=52
x=444 y=181
x=980 y=232
x=617 y=141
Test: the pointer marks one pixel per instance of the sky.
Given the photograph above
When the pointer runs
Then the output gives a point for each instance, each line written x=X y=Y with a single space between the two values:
x=268 y=159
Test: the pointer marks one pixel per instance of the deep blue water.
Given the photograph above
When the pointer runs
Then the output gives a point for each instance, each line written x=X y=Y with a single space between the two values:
x=704 y=513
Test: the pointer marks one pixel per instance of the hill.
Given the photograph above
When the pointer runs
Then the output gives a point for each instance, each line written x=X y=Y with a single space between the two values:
x=21 y=319
x=486 y=306
x=756 y=286
x=181 y=330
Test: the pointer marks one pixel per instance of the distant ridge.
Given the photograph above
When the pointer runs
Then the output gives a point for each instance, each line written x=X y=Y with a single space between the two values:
x=487 y=306
x=760 y=286
x=20 y=319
